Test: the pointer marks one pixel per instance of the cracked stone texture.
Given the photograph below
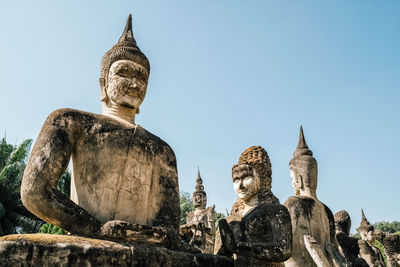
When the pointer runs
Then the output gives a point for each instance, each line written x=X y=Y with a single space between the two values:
x=119 y=173
x=56 y=250
x=391 y=244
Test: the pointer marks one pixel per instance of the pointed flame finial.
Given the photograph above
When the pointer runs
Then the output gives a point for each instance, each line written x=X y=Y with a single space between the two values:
x=363 y=218
x=302 y=142
x=365 y=224
x=127 y=35
x=302 y=148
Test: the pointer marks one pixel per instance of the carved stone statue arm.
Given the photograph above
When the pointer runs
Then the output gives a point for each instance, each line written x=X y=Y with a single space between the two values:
x=47 y=163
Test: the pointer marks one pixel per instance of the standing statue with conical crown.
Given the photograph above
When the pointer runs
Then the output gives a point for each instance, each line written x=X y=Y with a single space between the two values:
x=312 y=221
x=368 y=251
x=200 y=223
x=124 y=179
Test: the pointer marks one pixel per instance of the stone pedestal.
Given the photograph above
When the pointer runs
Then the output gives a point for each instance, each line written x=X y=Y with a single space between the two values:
x=63 y=250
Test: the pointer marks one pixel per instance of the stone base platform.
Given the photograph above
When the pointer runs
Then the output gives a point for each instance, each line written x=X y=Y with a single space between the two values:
x=64 y=250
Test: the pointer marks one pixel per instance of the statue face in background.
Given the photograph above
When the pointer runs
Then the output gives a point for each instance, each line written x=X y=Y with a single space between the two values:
x=127 y=84
x=367 y=235
x=199 y=200
x=245 y=182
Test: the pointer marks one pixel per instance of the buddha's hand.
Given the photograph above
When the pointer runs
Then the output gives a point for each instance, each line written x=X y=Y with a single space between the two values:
x=129 y=232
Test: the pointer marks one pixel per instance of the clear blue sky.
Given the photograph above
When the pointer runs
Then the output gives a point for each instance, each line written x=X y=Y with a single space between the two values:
x=226 y=75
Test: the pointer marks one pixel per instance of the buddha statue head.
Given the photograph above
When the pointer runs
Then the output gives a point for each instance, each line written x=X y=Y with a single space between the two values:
x=199 y=195
x=366 y=229
x=342 y=222
x=303 y=169
x=124 y=73
x=252 y=174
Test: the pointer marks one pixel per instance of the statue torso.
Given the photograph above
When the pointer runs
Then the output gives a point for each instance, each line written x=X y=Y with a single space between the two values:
x=309 y=216
x=119 y=172
x=371 y=254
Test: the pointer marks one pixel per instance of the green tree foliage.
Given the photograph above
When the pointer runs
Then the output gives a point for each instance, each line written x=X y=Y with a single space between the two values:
x=186 y=206
x=48 y=228
x=14 y=217
x=64 y=185
x=379 y=245
x=389 y=227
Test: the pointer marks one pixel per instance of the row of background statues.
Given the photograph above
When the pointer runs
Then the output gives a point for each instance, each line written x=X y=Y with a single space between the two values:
x=124 y=186
x=318 y=238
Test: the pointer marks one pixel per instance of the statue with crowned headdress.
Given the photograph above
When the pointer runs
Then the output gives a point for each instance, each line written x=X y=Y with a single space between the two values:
x=200 y=223
x=124 y=202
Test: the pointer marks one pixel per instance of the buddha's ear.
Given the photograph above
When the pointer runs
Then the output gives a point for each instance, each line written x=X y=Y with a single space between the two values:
x=301 y=182
x=103 y=90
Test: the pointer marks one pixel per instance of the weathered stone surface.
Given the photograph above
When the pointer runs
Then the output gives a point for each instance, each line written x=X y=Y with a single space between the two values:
x=200 y=223
x=258 y=231
x=55 y=250
x=316 y=251
x=120 y=171
x=391 y=244
x=309 y=216
x=368 y=252
x=348 y=245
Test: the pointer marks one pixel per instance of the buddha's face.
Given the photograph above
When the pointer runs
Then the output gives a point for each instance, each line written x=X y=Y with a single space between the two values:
x=245 y=181
x=199 y=200
x=368 y=236
x=127 y=84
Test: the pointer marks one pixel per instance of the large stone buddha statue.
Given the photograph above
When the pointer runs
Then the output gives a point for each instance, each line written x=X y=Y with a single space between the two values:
x=312 y=221
x=258 y=231
x=124 y=178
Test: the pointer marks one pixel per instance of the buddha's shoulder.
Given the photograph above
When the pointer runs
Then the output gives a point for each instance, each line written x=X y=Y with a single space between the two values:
x=87 y=123
x=299 y=202
x=68 y=117
x=272 y=209
x=298 y=205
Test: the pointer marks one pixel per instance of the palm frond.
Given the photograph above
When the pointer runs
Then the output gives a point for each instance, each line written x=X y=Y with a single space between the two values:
x=21 y=152
x=29 y=225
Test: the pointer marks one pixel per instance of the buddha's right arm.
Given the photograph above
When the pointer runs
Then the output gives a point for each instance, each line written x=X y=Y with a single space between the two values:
x=47 y=162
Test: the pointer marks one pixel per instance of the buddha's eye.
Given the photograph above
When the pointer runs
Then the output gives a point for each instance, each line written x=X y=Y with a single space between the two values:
x=248 y=178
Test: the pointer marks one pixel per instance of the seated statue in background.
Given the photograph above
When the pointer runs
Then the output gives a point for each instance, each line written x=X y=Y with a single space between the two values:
x=124 y=179
x=391 y=245
x=348 y=245
x=312 y=221
x=258 y=231
x=200 y=223
x=368 y=251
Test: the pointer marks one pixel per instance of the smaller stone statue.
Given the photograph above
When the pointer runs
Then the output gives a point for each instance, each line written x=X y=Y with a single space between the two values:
x=368 y=251
x=348 y=245
x=258 y=231
x=200 y=223
x=391 y=244
x=312 y=221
